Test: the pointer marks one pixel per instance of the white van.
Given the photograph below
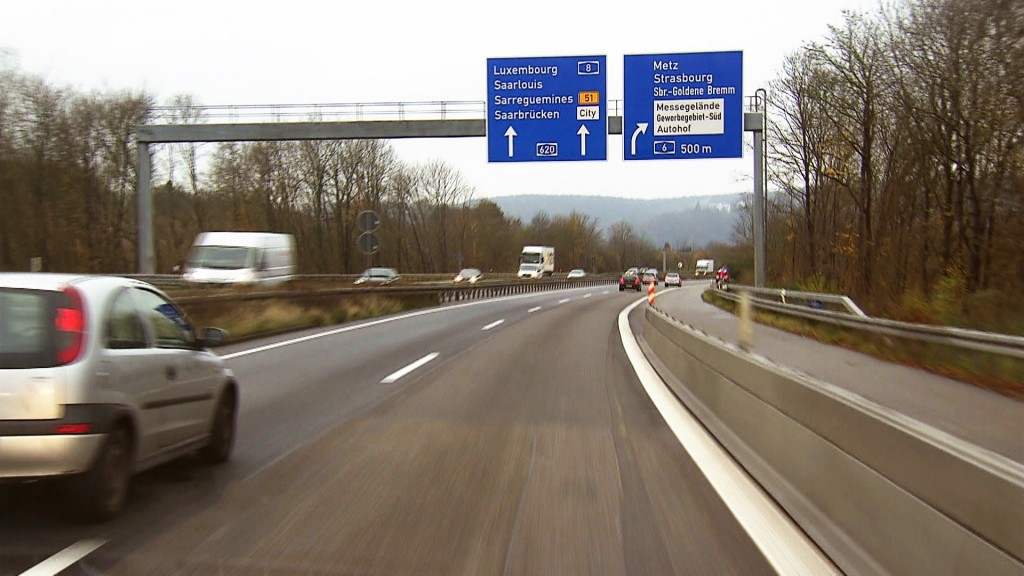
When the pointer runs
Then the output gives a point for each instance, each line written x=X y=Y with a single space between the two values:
x=240 y=258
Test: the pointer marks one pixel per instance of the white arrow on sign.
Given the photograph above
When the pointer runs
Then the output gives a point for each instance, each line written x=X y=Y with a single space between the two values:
x=510 y=134
x=583 y=132
x=641 y=128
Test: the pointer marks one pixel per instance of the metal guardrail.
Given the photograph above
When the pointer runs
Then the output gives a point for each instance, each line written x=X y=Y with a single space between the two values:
x=878 y=492
x=443 y=292
x=989 y=342
x=809 y=299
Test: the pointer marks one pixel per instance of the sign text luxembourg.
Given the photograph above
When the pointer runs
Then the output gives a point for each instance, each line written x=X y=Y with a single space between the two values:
x=683 y=106
x=546 y=109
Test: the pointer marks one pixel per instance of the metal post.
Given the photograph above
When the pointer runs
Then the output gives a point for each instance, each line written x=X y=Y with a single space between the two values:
x=144 y=200
x=754 y=122
x=760 y=259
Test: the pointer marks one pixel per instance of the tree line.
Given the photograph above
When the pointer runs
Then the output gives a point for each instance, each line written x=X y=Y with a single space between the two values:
x=68 y=180
x=897 y=148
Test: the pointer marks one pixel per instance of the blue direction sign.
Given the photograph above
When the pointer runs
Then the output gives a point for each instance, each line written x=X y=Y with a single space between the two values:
x=546 y=109
x=683 y=106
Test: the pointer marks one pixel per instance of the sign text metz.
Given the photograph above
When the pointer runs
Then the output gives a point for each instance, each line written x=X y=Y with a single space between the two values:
x=546 y=109
x=683 y=106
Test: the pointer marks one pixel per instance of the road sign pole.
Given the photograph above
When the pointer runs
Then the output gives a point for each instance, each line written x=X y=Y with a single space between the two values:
x=754 y=122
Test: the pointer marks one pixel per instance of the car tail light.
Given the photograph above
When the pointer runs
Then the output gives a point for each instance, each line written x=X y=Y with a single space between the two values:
x=70 y=325
x=72 y=429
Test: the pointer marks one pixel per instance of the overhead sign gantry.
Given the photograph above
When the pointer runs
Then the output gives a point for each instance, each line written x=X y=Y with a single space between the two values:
x=683 y=106
x=546 y=109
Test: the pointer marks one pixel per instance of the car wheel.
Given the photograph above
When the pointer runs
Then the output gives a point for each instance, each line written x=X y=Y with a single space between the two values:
x=222 y=435
x=101 y=493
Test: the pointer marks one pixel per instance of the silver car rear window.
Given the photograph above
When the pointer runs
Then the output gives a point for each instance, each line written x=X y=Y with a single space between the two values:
x=26 y=328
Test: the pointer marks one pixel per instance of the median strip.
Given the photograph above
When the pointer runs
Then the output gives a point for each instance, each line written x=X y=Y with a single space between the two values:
x=404 y=371
x=776 y=535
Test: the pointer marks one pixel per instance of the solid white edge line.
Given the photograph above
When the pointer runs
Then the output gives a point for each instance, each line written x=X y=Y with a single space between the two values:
x=783 y=544
x=534 y=309
x=494 y=324
x=378 y=322
x=398 y=374
x=62 y=560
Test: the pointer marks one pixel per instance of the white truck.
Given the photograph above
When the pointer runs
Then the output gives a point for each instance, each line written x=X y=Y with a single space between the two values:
x=536 y=262
x=704 y=269
x=242 y=258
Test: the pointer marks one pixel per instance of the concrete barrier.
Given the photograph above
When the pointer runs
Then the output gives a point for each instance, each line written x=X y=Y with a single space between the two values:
x=877 y=491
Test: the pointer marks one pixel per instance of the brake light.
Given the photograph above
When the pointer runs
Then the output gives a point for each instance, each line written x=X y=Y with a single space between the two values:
x=70 y=325
x=72 y=429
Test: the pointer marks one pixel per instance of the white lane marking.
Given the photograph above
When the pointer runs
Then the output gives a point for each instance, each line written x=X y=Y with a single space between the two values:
x=62 y=560
x=563 y=300
x=781 y=541
x=378 y=322
x=534 y=309
x=494 y=324
x=396 y=375
x=606 y=292
x=587 y=295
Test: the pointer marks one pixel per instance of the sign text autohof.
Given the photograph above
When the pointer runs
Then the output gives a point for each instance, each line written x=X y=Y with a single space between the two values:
x=546 y=109
x=683 y=106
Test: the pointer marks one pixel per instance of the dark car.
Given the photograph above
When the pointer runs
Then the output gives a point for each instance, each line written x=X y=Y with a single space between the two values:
x=630 y=280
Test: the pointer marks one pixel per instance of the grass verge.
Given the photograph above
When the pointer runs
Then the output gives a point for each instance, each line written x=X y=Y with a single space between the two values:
x=250 y=319
x=994 y=372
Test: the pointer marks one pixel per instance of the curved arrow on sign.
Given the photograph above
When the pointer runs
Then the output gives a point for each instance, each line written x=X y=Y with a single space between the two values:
x=641 y=128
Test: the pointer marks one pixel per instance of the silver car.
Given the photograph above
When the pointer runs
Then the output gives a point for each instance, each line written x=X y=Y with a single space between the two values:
x=470 y=275
x=382 y=276
x=101 y=377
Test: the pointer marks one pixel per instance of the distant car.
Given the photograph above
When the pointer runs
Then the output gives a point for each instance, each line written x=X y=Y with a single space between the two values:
x=577 y=273
x=101 y=377
x=630 y=280
x=470 y=275
x=673 y=279
x=650 y=275
x=380 y=276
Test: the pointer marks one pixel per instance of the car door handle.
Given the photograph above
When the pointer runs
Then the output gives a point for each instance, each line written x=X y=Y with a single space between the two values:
x=172 y=373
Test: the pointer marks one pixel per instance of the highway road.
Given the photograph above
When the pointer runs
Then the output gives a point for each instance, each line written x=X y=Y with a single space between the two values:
x=508 y=436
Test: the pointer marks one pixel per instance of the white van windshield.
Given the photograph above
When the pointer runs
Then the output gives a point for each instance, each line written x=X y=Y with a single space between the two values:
x=531 y=258
x=221 y=257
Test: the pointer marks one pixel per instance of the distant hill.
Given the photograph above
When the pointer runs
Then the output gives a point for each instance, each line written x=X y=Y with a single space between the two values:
x=684 y=221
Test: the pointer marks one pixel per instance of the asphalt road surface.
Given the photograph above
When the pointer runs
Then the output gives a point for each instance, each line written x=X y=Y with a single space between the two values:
x=518 y=441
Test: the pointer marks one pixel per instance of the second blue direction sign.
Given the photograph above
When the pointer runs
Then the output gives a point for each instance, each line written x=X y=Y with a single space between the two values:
x=546 y=109
x=683 y=106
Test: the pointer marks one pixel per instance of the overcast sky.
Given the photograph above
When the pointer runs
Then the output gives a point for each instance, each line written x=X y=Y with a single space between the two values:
x=259 y=52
